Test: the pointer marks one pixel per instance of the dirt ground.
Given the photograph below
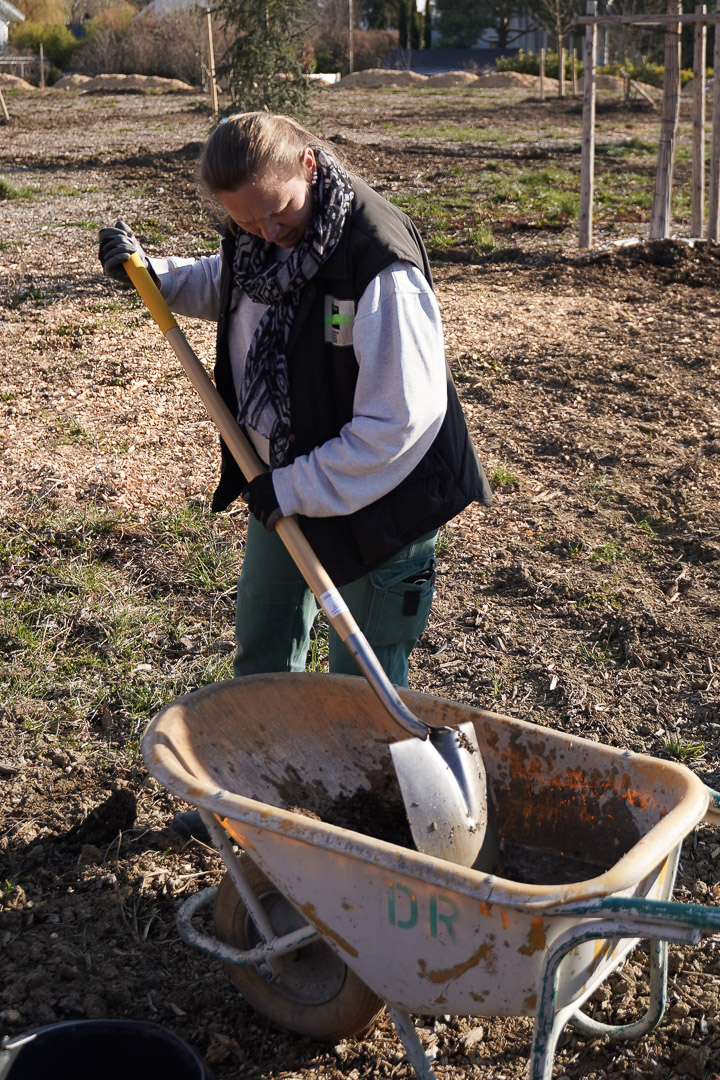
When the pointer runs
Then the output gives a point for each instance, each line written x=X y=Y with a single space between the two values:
x=585 y=598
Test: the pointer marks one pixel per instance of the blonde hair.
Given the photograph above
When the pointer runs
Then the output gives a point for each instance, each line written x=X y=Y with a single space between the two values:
x=246 y=144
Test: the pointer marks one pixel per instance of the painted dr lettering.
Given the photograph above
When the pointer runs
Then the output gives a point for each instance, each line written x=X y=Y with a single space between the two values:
x=404 y=911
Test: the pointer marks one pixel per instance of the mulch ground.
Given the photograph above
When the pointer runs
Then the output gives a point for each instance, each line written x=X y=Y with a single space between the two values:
x=585 y=598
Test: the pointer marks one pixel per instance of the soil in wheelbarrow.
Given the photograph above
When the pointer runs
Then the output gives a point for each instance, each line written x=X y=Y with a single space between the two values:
x=586 y=598
x=380 y=813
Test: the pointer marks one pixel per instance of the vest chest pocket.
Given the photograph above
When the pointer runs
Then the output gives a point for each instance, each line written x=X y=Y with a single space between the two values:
x=339 y=319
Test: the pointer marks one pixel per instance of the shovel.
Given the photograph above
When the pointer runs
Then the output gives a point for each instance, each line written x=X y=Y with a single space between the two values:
x=440 y=771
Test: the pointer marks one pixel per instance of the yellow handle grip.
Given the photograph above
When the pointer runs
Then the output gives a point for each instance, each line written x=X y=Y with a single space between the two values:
x=151 y=296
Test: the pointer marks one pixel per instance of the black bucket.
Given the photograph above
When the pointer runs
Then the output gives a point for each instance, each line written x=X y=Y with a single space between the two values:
x=112 y=1049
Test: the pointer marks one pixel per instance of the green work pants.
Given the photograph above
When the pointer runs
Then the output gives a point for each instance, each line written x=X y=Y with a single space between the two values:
x=275 y=608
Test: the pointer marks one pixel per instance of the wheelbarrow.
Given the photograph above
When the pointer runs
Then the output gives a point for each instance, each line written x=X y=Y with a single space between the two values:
x=329 y=914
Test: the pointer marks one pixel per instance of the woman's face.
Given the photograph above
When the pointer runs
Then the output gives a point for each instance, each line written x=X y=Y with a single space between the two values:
x=278 y=210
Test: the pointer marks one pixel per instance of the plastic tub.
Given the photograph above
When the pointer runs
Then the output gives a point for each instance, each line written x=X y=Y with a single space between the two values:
x=113 y=1049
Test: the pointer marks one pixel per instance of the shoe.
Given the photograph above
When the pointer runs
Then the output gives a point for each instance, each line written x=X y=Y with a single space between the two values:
x=191 y=826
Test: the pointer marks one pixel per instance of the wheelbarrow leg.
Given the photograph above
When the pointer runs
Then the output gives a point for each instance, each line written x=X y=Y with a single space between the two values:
x=271 y=966
x=658 y=999
x=410 y=1039
x=549 y=1021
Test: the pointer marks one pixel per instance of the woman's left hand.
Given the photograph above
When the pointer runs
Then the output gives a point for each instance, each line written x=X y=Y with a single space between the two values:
x=262 y=501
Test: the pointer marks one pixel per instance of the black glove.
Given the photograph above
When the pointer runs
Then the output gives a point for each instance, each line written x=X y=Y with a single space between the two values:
x=262 y=501
x=117 y=244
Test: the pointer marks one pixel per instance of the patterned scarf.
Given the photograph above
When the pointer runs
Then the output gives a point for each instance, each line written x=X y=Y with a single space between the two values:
x=264 y=397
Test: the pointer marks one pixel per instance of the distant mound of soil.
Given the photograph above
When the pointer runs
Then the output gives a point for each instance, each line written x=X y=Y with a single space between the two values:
x=16 y=81
x=606 y=82
x=452 y=78
x=373 y=78
x=135 y=82
x=499 y=80
x=71 y=82
x=616 y=84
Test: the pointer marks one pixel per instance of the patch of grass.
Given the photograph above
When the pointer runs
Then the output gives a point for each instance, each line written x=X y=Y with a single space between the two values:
x=71 y=432
x=75 y=331
x=102 y=618
x=549 y=195
x=502 y=479
x=84 y=223
x=461 y=133
x=683 y=749
x=8 y=886
x=10 y=191
x=596 y=653
x=481 y=239
x=625 y=193
x=151 y=231
x=67 y=189
x=445 y=541
x=209 y=561
x=651 y=526
x=319 y=653
x=33 y=294
x=600 y=597
x=610 y=552
x=448 y=218
x=121 y=301
x=631 y=144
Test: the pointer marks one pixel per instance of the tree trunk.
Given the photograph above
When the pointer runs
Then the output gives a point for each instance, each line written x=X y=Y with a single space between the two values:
x=403 y=26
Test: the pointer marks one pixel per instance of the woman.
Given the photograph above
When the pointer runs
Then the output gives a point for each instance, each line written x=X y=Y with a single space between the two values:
x=330 y=353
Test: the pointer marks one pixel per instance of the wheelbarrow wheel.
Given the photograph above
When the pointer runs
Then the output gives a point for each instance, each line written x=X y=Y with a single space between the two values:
x=315 y=993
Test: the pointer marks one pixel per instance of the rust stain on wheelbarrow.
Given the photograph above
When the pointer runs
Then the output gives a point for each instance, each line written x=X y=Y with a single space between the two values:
x=311 y=915
x=537 y=938
x=485 y=953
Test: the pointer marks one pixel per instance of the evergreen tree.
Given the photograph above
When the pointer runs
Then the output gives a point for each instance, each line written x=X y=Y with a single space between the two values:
x=378 y=14
x=261 y=64
x=414 y=27
x=460 y=25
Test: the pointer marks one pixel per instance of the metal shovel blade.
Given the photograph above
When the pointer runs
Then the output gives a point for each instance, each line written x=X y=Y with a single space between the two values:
x=444 y=789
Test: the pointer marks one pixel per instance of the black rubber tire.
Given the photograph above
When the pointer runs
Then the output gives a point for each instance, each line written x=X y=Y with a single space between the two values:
x=331 y=1003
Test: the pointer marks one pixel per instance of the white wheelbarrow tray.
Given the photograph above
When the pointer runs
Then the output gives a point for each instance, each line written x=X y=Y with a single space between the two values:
x=427 y=936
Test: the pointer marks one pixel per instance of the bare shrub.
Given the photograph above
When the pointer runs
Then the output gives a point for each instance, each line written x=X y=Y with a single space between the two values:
x=370 y=47
x=170 y=47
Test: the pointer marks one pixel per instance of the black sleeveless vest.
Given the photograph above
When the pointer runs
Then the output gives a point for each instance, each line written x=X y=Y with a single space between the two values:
x=323 y=372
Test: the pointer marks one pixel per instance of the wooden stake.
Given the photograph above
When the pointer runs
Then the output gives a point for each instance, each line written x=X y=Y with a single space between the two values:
x=714 y=203
x=573 y=61
x=211 y=64
x=561 y=72
x=42 y=67
x=698 y=125
x=661 y=211
x=3 y=108
x=587 y=164
x=636 y=87
x=542 y=74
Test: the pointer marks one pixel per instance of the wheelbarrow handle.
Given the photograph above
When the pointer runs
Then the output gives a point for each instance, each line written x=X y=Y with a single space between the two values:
x=712 y=817
x=289 y=531
x=648 y=915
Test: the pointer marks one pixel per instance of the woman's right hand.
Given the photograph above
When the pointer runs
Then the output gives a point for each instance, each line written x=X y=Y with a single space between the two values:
x=117 y=243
